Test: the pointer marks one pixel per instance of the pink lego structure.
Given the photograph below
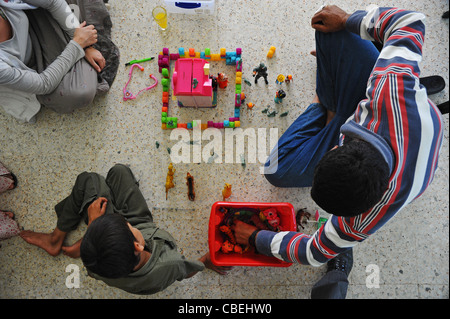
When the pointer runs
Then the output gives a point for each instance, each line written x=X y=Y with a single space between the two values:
x=191 y=83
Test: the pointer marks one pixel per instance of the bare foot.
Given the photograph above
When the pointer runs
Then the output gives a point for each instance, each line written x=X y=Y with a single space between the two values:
x=51 y=243
x=72 y=251
x=221 y=270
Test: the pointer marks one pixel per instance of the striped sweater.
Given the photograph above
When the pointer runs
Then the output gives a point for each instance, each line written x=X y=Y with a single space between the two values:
x=398 y=119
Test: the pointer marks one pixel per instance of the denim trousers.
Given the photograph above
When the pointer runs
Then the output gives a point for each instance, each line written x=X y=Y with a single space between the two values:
x=344 y=64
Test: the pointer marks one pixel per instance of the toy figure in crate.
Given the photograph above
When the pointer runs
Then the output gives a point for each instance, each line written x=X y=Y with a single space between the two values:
x=264 y=220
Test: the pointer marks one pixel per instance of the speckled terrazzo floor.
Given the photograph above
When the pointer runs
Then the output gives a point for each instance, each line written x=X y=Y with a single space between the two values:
x=411 y=251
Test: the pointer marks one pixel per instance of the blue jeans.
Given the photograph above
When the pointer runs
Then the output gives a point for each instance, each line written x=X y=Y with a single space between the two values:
x=344 y=64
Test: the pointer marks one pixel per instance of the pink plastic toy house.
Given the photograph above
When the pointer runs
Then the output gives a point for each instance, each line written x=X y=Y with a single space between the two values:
x=191 y=83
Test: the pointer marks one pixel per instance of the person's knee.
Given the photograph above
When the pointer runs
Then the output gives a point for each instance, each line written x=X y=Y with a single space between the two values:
x=119 y=169
x=79 y=97
x=84 y=178
x=121 y=172
x=275 y=177
x=65 y=101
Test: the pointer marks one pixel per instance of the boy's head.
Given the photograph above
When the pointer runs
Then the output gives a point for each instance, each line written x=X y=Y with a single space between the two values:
x=108 y=248
x=350 y=179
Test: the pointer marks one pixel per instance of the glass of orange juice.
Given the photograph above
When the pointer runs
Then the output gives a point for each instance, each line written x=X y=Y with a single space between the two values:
x=160 y=16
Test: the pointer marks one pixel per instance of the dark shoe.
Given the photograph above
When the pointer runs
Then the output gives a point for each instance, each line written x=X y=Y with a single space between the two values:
x=434 y=84
x=343 y=262
x=443 y=107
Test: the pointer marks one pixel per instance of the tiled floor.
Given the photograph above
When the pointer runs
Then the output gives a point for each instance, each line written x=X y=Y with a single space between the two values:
x=411 y=252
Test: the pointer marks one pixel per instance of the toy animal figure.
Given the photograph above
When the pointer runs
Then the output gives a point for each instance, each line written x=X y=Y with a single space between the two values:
x=228 y=247
x=222 y=80
x=226 y=192
x=190 y=184
x=302 y=218
x=227 y=231
x=272 y=217
x=169 y=178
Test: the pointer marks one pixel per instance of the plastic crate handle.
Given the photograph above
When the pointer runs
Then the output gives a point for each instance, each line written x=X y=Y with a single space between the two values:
x=188 y=5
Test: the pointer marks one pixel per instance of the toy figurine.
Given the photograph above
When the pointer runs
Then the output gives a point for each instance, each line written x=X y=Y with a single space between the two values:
x=169 y=178
x=302 y=217
x=190 y=184
x=288 y=79
x=228 y=247
x=279 y=96
x=260 y=71
x=272 y=218
x=222 y=80
x=226 y=192
x=227 y=231
x=280 y=79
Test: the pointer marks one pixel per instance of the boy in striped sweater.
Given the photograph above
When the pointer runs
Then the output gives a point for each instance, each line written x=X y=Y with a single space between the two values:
x=388 y=146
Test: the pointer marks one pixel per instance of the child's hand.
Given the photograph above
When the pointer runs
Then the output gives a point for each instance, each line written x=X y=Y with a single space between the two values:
x=329 y=19
x=95 y=58
x=242 y=231
x=85 y=35
x=97 y=209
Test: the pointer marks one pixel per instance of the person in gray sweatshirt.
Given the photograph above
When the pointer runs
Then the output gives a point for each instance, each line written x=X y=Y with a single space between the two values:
x=42 y=46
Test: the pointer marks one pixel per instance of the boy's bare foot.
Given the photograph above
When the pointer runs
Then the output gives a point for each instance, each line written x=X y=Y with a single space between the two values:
x=51 y=243
x=72 y=251
x=221 y=270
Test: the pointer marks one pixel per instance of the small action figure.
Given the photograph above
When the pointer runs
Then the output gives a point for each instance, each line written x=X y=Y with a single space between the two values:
x=279 y=96
x=260 y=71
x=169 y=178
x=222 y=80
x=280 y=79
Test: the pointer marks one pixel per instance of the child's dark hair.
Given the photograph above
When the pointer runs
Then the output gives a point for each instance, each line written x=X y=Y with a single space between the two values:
x=350 y=179
x=107 y=248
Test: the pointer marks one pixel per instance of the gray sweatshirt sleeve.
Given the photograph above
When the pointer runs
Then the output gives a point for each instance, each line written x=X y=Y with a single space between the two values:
x=47 y=81
x=60 y=11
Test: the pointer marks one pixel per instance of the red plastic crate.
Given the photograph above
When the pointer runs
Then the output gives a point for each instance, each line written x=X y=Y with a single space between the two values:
x=249 y=258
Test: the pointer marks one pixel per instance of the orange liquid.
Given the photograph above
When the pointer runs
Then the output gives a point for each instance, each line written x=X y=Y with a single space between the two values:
x=161 y=19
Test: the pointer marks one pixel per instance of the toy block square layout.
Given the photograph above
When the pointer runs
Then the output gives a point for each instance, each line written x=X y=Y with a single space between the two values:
x=194 y=86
